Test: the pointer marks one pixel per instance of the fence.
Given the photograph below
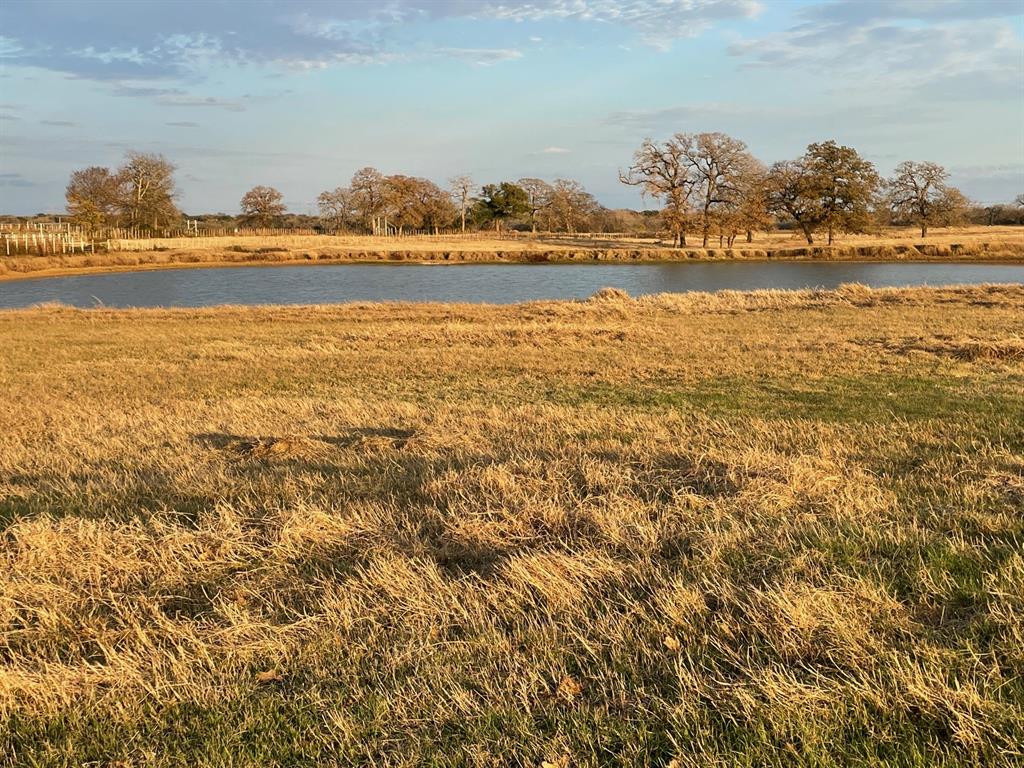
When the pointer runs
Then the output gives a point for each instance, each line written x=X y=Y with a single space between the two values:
x=50 y=238
x=44 y=243
x=39 y=227
x=192 y=229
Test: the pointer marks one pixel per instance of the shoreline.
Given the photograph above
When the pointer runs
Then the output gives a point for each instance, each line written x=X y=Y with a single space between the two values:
x=1006 y=255
x=689 y=302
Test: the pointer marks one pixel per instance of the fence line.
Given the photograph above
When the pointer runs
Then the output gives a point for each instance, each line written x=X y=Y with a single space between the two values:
x=45 y=244
x=51 y=238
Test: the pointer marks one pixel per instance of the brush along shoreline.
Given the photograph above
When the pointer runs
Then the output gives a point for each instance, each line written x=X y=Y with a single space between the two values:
x=15 y=267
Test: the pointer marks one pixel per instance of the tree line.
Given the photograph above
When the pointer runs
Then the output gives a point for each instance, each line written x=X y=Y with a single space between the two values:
x=708 y=185
x=711 y=184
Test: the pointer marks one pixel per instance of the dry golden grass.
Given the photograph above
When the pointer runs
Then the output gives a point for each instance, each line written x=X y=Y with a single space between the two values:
x=774 y=528
x=969 y=243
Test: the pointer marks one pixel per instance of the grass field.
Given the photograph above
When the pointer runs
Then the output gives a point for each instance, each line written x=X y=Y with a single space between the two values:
x=734 y=529
x=967 y=243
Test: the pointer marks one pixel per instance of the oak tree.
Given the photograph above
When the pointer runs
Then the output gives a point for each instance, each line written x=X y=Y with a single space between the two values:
x=845 y=184
x=262 y=206
x=918 y=193
x=93 y=197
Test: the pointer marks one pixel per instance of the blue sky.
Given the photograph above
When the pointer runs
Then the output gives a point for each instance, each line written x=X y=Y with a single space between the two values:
x=298 y=94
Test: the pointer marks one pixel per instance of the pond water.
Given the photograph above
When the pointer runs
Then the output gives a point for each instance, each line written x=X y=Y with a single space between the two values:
x=492 y=283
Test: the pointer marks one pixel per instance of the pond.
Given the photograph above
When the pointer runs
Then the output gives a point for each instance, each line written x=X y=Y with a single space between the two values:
x=492 y=283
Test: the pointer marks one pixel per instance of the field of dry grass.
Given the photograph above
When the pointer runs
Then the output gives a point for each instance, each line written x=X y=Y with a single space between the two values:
x=734 y=529
x=969 y=243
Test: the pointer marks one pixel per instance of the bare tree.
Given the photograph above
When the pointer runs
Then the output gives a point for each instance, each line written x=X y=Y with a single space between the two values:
x=262 y=206
x=660 y=170
x=336 y=209
x=148 y=188
x=744 y=208
x=918 y=193
x=716 y=164
x=93 y=196
x=570 y=205
x=539 y=193
x=367 y=188
x=461 y=187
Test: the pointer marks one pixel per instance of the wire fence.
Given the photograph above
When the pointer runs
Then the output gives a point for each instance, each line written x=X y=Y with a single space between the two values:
x=50 y=238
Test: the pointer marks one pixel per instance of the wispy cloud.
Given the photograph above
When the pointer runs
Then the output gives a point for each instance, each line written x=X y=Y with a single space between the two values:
x=174 y=97
x=204 y=102
x=957 y=48
x=182 y=124
x=132 y=91
x=59 y=123
x=483 y=57
x=658 y=22
x=14 y=180
x=554 y=151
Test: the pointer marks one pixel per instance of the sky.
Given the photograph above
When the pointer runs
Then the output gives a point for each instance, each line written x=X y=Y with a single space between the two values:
x=298 y=94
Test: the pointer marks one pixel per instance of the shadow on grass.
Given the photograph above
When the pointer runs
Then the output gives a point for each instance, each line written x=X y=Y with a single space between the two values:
x=255 y=445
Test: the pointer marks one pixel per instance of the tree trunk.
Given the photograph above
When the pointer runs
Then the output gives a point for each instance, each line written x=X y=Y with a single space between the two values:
x=750 y=236
x=924 y=231
x=463 y=219
x=830 y=235
x=682 y=239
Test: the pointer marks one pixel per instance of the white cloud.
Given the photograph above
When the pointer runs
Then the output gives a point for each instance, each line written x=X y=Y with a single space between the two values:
x=555 y=151
x=118 y=41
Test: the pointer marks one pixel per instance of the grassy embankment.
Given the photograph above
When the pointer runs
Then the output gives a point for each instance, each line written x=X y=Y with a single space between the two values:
x=963 y=244
x=754 y=529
